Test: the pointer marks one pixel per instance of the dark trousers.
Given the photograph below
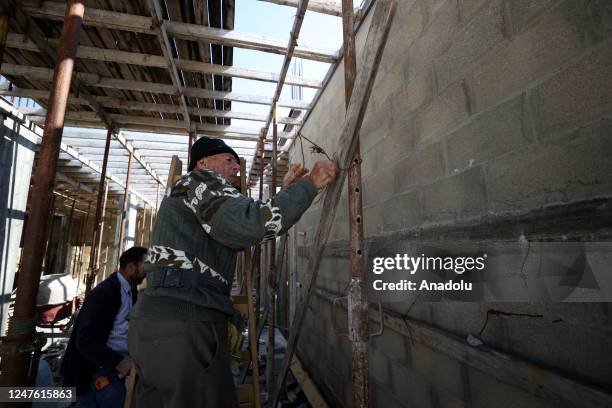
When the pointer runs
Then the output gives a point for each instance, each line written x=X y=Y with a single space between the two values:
x=181 y=364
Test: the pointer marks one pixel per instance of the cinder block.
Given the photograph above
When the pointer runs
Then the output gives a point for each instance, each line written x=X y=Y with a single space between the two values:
x=443 y=25
x=580 y=93
x=441 y=371
x=522 y=13
x=409 y=387
x=407 y=26
x=480 y=35
x=379 y=365
x=445 y=111
x=486 y=392
x=387 y=82
x=455 y=197
x=372 y=221
x=489 y=135
x=393 y=344
x=468 y=8
x=531 y=54
x=419 y=168
x=401 y=212
x=379 y=187
x=569 y=168
x=399 y=141
x=417 y=92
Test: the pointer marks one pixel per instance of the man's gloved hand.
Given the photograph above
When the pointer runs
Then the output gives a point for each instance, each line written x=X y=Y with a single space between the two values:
x=295 y=172
x=323 y=173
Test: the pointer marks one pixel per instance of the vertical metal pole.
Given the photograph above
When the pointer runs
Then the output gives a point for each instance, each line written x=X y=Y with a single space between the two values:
x=357 y=297
x=83 y=242
x=192 y=136
x=6 y=12
x=272 y=267
x=96 y=241
x=126 y=208
x=21 y=324
x=144 y=224
x=69 y=242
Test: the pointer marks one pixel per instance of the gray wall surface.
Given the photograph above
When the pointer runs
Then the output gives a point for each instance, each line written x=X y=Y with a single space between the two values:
x=17 y=145
x=490 y=121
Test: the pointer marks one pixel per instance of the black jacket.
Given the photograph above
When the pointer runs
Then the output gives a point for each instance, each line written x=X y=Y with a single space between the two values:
x=87 y=350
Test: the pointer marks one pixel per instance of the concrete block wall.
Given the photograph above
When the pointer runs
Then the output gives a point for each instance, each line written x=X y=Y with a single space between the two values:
x=489 y=118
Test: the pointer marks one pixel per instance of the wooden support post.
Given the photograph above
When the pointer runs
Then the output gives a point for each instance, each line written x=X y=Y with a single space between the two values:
x=272 y=287
x=192 y=138
x=6 y=13
x=126 y=208
x=358 y=331
x=248 y=271
x=96 y=241
x=20 y=333
x=375 y=42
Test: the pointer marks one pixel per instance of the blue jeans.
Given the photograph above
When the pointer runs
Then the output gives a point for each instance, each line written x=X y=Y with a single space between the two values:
x=111 y=396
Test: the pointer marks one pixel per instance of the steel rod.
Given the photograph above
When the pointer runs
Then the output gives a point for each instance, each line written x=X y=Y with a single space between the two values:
x=21 y=325
x=96 y=241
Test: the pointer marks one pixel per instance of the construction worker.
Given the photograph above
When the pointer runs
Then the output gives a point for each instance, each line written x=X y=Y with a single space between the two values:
x=178 y=328
x=96 y=360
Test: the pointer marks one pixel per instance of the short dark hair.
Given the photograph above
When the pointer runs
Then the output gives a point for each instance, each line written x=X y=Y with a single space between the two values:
x=133 y=255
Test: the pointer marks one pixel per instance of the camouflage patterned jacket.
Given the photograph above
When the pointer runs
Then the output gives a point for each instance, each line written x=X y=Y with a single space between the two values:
x=199 y=227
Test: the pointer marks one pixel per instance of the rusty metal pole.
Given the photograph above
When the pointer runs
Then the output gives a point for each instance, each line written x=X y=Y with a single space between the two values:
x=358 y=331
x=21 y=331
x=69 y=243
x=126 y=208
x=96 y=241
x=7 y=11
x=272 y=265
x=83 y=242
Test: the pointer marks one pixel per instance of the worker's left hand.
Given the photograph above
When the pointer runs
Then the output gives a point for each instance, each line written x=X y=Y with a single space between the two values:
x=295 y=172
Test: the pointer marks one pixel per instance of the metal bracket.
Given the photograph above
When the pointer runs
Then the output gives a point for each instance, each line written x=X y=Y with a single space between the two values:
x=337 y=332
x=381 y=329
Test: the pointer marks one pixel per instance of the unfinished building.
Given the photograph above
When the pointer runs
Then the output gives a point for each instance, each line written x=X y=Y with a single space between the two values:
x=463 y=128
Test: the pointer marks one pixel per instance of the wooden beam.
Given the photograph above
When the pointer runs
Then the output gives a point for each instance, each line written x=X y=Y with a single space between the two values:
x=380 y=25
x=318 y=6
x=162 y=35
x=109 y=102
x=193 y=32
x=46 y=74
x=21 y=42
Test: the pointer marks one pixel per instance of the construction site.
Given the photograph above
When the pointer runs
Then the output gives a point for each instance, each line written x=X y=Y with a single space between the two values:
x=461 y=256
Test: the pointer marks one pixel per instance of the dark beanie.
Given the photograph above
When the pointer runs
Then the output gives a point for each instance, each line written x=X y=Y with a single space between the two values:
x=207 y=146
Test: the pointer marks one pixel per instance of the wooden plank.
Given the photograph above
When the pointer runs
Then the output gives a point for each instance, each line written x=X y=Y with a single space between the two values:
x=174 y=173
x=193 y=32
x=46 y=74
x=331 y=8
x=308 y=386
x=372 y=52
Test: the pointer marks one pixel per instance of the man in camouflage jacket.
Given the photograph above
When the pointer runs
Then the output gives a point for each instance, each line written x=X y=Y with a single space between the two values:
x=178 y=327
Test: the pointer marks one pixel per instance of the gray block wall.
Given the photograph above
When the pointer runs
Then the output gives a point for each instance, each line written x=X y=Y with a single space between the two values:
x=17 y=147
x=489 y=119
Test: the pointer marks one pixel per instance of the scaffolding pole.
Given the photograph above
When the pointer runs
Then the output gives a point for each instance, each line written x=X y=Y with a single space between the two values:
x=126 y=208
x=96 y=241
x=358 y=332
x=272 y=265
x=20 y=340
x=375 y=43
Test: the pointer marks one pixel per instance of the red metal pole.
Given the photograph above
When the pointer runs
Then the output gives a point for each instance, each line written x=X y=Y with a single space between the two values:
x=126 y=208
x=21 y=325
x=96 y=241
x=357 y=297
